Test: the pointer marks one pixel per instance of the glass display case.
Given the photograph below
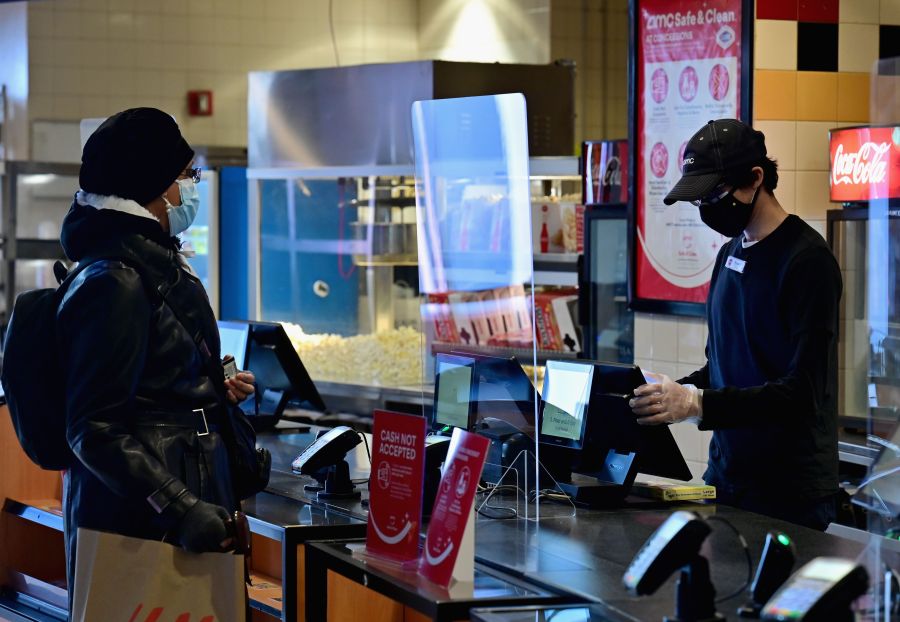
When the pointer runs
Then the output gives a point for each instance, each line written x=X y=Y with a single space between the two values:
x=337 y=257
x=869 y=358
x=36 y=197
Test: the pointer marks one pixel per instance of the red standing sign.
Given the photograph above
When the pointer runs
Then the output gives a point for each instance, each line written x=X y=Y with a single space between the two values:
x=453 y=505
x=395 y=485
x=689 y=70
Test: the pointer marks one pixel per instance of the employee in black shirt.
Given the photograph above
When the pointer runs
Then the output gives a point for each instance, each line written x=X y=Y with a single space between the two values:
x=769 y=387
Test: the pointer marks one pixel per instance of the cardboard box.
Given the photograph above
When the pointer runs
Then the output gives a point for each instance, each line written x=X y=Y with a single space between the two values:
x=469 y=316
x=438 y=309
x=565 y=315
x=547 y=332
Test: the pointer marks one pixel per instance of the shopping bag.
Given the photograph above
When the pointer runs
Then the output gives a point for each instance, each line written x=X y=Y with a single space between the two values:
x=118 y=578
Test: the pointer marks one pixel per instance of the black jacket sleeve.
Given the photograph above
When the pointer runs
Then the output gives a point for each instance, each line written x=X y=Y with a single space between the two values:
x=810 y=297
x=104 y=324
x=699 y=378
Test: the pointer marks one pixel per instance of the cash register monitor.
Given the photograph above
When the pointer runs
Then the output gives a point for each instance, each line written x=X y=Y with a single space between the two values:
x=505 y=396
x=234 y=336
x=565 y=398
x=280 y=374
x=613 y=425
x=453 y=399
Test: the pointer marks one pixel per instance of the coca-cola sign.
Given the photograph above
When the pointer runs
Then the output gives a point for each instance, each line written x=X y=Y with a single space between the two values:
x=865 y=164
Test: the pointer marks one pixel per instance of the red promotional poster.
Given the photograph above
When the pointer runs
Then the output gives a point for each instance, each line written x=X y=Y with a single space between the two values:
x=395 y=486
x=689 y=70
x=453 y=505
x=605 y=166
x=865 y=164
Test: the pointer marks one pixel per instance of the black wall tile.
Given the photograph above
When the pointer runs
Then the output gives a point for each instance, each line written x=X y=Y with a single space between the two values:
x=817 y=47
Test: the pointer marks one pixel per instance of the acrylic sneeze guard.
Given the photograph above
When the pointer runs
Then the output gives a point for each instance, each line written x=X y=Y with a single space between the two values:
x=476 y=280
x=879 y=492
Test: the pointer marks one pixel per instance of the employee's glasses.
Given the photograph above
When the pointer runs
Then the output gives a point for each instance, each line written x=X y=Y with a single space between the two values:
x=192 y=173
x=717 y=195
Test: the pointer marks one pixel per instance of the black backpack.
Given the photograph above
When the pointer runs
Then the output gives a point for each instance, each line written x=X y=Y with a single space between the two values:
x=32 y=374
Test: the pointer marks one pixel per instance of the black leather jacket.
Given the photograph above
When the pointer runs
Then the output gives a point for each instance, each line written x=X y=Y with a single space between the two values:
x=134 y=376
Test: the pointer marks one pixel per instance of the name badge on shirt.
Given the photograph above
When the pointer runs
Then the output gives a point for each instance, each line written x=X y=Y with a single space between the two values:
x=733 y=263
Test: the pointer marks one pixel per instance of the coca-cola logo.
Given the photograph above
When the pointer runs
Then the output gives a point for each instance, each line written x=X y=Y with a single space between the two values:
x=867 y=165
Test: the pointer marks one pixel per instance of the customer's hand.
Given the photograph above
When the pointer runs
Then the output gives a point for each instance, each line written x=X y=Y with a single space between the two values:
x=240 y=387
x=665 y=402
x=204 y=529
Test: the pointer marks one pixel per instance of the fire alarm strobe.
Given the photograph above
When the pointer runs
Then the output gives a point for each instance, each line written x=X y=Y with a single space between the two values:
x=200 y=103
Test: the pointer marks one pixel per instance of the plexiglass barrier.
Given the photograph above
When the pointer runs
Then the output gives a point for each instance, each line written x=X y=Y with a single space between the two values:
x=878 y=494
x=476 y=278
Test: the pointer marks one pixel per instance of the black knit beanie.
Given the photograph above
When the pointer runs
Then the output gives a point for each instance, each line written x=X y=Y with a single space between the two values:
x=135 y=154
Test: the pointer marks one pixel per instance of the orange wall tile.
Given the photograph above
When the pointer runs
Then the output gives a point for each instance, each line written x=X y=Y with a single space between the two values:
x=816 y=96
x=853 y=96
x=775 y=94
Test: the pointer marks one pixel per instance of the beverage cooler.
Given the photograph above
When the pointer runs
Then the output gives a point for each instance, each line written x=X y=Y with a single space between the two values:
x=36 y=198
x=608 y=324
x=865 y=237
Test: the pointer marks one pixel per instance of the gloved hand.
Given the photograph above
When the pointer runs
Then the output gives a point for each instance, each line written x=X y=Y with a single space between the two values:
x=203 y=529
x=666 y=402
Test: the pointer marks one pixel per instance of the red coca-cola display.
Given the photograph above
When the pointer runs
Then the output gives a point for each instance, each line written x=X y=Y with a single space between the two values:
x=865 y=163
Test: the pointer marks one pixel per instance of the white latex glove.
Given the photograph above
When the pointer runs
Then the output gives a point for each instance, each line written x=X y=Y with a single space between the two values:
x=666 y=402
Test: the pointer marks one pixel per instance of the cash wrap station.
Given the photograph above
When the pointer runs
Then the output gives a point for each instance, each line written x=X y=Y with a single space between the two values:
x=558 y=529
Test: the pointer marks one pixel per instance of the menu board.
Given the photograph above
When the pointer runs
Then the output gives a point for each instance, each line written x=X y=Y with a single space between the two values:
x=689 y=71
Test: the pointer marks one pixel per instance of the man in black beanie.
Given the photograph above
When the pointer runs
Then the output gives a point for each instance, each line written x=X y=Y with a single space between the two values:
x=147 y=404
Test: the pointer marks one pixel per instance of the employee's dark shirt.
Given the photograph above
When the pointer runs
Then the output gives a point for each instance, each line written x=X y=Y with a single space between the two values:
x=770 y=382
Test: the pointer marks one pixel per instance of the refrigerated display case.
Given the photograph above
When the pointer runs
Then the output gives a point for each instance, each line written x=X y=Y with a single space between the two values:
x=338 y=265
x=36 y=197
x=608 y=322
x=201 y=240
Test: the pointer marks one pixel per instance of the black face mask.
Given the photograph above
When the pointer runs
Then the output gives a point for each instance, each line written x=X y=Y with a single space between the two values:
x=728 y=216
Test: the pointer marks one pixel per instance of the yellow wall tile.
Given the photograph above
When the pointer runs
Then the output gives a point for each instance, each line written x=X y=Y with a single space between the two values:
x=812 y=145
x=812 y=195
x=816 y=96
x=776 y=44
x=857 y=47
x=775 y=94
x=781 y=142
x=885 y=107
x=890 y=12
x=853 y=96
x=786 y=191
x=859 y=11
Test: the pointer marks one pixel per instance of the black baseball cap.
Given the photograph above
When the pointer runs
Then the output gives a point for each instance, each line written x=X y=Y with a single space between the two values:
x=718 y=148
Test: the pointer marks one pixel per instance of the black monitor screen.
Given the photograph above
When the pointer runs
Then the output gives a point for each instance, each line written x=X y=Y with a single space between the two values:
x=277 y=366
x=505 y=395
x=566 y=396
x=453 y=391
x=613 y=425
x=233 y=336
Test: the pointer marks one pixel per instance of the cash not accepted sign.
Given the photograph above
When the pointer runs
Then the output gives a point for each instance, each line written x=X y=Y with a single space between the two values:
x=395 y=485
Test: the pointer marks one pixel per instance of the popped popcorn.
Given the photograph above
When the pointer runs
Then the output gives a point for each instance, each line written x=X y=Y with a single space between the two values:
x=389 y=358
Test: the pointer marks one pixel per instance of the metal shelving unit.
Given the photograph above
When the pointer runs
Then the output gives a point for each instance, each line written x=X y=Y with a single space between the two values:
x=26 y=248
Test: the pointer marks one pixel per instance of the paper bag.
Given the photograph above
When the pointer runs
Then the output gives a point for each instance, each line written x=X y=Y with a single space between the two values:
x=132 y=580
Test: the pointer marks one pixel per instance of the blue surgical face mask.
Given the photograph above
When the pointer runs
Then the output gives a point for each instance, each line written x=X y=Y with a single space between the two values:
x=182 y=216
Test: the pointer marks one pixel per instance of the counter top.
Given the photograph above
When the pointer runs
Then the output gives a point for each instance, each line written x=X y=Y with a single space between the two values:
x=582 y=553
x=587 y=554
